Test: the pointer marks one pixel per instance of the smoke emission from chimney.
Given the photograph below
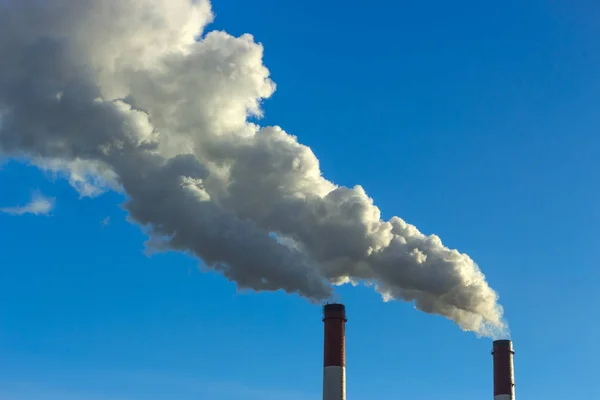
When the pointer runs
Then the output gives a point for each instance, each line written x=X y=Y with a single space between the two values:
x=134 y=95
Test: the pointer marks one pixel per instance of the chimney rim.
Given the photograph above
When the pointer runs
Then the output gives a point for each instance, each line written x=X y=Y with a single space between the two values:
x=334 y=311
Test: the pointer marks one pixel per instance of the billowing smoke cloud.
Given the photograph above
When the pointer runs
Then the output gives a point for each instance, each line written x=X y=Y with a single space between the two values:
x=39 y=205
x=133 y=95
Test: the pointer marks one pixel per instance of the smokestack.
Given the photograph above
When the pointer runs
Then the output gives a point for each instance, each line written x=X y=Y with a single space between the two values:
x=334 y=368
x=504 y=375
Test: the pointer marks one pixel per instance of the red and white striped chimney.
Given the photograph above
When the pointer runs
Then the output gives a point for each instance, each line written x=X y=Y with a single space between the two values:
x=334 y=371
x=504 y=374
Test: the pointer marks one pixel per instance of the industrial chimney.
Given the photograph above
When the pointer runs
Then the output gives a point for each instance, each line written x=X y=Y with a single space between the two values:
x=504 y=375
x=334 y=371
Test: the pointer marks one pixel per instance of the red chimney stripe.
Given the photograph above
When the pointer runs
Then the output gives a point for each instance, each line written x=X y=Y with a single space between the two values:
x=503 y=369
x=335 y=339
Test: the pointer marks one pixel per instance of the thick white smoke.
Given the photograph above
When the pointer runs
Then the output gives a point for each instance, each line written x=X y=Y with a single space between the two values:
x=133 y=95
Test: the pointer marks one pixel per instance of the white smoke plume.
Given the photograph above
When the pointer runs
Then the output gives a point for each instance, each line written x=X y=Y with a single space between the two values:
x=134 y=95
x=39 y=205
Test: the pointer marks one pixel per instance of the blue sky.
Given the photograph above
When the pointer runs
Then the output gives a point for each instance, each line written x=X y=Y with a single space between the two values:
x=475 y=122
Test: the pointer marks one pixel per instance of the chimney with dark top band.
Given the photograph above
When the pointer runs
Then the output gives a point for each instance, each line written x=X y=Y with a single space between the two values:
x=504 y=376
x=334 y=367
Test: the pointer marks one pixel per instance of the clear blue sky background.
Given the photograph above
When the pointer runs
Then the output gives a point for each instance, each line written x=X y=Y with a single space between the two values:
x=474 y=120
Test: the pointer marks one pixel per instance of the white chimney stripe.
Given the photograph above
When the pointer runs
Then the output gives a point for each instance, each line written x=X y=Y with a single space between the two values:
x=334 y=383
